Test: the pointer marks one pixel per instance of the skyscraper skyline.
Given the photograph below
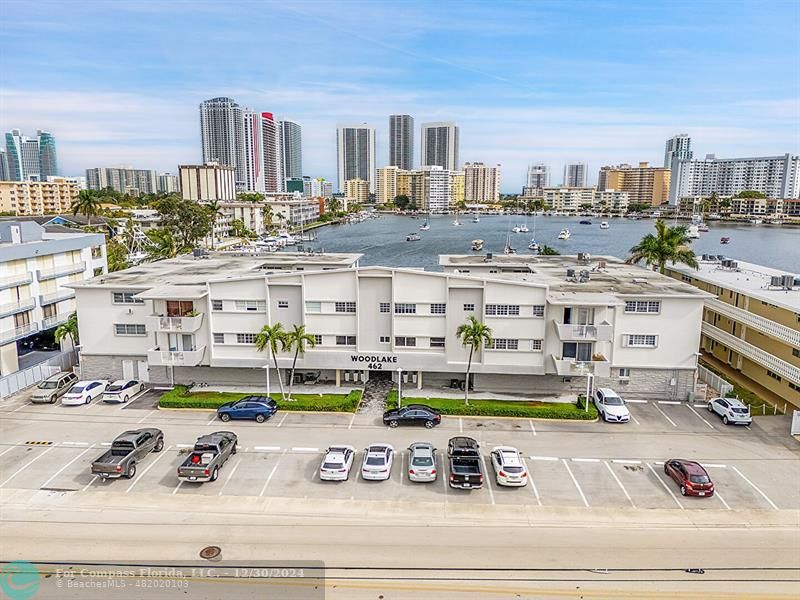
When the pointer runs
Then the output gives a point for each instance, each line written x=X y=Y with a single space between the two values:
x=355 y=154
x=576 y=175
x=30 y=158
x=678 y=147
x=440 y=145
x=222 y=135
x=401 y=141
x=291 y=141
x=538 y=176
x=271 y=146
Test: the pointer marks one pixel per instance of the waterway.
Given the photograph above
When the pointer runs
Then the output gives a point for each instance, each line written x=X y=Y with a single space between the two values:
x=382 y=240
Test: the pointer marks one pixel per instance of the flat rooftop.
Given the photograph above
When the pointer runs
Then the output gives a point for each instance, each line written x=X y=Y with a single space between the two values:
x=186 y=270
x=747 y=278
x=606 y=274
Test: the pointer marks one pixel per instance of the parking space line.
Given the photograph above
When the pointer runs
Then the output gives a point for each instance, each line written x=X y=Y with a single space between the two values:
x=533 y=429
x=533 y=484
x=20 y=407
x=721 y=499
x=267 y=448
x=715 y=465
x=488 y=479
x=636 y=401
x=271 y=474
x=301 y=449
x=212 y=419
x=575 y=481
x=619 y=483
x=460 y=425
x=665 y=415
x=177 y=487
x=142 y=420
x=184 y=445
x=57 y=473
x=88 y=485
x=9 y=449
x=621 y=461
x=700 y=405
x=402 y=466
x=150 y=466
x=26 y=465
x=105 y=443
x=230 y=475
x=753 y=485
x=699 y=416
x=283 y=419
x=635 y=420
x=590 y=460
x=669 y=402
x=75 y=444
x=664 y=485
x=444 y=476
x=543 y=457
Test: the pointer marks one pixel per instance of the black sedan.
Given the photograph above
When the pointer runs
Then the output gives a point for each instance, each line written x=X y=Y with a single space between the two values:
x=413 y=414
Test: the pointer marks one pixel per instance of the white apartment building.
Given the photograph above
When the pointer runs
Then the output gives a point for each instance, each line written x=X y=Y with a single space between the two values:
x=571 y=200
x=25 y=198
x=678 y=147
x=35 y=267
x=481 y=183
x=556 y=322
x=168 y=183
x=125 y=180
x=538 y=177
x=249 y=213
x=436 y=185
x=293 y=209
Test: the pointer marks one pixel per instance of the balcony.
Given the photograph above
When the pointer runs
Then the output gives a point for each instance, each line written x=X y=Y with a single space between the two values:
x=762 y=324
x=589 y=333
x=59 y=271
x=58 y=296
x=55 y=320
x=13 y=308
x=20 y=332
x=174 y=324
x=179 y=358
x=572 y=367
x=15 y=280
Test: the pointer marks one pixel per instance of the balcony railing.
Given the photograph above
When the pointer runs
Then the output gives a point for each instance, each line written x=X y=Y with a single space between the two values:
x=58 y=296
x=174 y=324
x=762 y=324
x=572 y=367
x=597 y=333
x=180 y=358
x=13 y=308
x=20 y=332
x=15 y=280
x=49 y=322
x=754 y=353
x=60 y=270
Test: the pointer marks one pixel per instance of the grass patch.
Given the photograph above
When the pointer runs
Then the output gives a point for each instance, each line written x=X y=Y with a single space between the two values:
x=500 y=408
x=180 y=398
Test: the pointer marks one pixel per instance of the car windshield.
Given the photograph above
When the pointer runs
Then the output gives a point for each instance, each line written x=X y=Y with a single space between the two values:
x=740 y=411
x=332 y=466
x=513 y=469
x=613 y=401
x=48 y=385
x=699 y=479
x=76 y=389
x=376 y=460
x=422 y=461
x=114 y=388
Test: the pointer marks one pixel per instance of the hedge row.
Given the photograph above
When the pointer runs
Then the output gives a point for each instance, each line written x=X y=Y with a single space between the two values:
x=180 y=398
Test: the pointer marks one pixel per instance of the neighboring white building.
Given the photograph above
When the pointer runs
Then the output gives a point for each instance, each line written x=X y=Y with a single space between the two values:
x=678 y=147
x=386 y=184
x=222 y=135
x=576 y=175
x=80 y=180
x=440 y=145
x=124 y=179
x=355 y=154
x=207 y=183
x=293 y=209
x=572 y=199
x=35 y=267
x=317 y=187
x=538 y=178
x=436 y=186
x=249 y=213
x=168 y=183
x=481 y=183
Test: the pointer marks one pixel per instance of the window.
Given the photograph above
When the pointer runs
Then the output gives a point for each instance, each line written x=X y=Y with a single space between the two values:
x=313 y=307
x=345 y=307
x=317 y=339
x=501 y=310
x=796 y=352
x=130 y=329
x=538 y=310
x=686 y=278
x=219 y=338
x=438 y=308
x=126 y=298
x=642 y=340
x=245 y=338
x=385 y=339
x=97 y=252
x=794 y=386
x=469 y=308
x=624 y=373
x=775 y=376
x=405 y=309
x=345 y=340
x=283 y=304
x=385 y=307
x=536 y=345
x=437 y=342
x=216 y=305
x=405 y=341
x=643 y=306
x=504 y=344
x=251 y=305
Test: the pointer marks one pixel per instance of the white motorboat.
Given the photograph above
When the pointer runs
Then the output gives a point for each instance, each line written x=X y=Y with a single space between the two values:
x=604 y=225
x=476 y=219
x=287 y=238
x=477 y=245
x=756 y=221
x=515 y=229
x=456 y=222
x=413 y=237
x=693 y=232
x=564 y=235
x=425 y=226
x=534 y=245
x=524 y=228
x=702 y=227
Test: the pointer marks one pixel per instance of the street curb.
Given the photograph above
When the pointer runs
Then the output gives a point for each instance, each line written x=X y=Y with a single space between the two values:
x=296 y=412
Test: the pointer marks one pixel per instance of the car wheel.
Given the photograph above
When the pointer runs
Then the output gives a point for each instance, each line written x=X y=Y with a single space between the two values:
x=429 y=424
x=131 y=472
x=393 y=423
x=725 y=419
x=225 y=417
x=234 y=450
x=124 y=399
x=215 y=474
x=665 y=470
x=683 y=490
x=260 y=418
x=52 y=400
x=710 y=408
x=159 y=445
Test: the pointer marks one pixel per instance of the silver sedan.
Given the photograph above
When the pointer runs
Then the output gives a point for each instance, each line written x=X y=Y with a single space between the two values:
x=421 y=462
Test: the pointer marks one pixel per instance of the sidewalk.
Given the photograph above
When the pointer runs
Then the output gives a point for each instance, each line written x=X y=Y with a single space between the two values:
x=318 y=389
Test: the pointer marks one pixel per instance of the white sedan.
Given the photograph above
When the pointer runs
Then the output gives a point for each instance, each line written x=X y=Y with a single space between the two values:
x=610 y=406
x=377 y=463
x=337 y=463
x=122 y=390
x=508 y=467
x=84 y=392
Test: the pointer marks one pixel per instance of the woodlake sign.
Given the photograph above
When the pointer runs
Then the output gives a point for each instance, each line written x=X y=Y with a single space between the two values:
x=375 y=362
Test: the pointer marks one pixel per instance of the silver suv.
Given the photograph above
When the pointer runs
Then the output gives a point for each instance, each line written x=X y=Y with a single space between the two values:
x=732 y=410
x=52 y=388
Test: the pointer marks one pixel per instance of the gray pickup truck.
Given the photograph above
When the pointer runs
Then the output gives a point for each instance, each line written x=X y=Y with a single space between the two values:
x=126 y=451
x=210 y=452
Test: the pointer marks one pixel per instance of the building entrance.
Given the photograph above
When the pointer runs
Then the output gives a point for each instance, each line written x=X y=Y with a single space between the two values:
x=380 y=375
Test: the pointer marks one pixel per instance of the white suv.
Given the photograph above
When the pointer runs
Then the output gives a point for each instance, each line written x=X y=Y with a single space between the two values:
x=610 y=406
x=732 y=410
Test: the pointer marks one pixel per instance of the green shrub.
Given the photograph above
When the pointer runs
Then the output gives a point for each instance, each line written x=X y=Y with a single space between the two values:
x=180 y=398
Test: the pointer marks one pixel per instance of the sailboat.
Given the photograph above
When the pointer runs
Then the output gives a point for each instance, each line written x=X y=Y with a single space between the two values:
x=476 y=219
x=509 y=249
x=524 y=227
x=456 y=223
x=426 y=224
x=534 y=245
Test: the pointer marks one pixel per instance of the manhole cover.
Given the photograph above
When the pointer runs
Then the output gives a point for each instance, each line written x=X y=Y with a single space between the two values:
x=210 y=552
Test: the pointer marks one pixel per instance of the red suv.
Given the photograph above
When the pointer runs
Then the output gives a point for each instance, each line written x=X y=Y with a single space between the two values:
x=690 y=476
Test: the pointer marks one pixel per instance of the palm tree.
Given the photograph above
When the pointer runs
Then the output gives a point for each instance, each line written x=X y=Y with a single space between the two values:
x=474 y=334
x=270 y=337
x=546 y=250
x=87 y=204
x=667 y=244
x=267 y=217
x=215 y=210
x=164 y=244
x=297 y=338
x=334 y=205
x=68 y=329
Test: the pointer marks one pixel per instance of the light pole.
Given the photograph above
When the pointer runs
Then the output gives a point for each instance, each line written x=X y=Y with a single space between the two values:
x=266 y=368
x=589 y=381
x=399 y=386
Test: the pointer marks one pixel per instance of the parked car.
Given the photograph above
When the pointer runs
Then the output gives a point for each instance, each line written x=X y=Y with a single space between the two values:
x=259 y=408
x=508 y=466
x=128 y=449
x=337 y=463
x=465 y=463
x=421 y=462
x=691 y=477
x=610 y=406
x=413 y=414
x=377 y=463
x=52 y=388
x=731 y=410
x=122 y=390
x=209 y=454
x=84 y=392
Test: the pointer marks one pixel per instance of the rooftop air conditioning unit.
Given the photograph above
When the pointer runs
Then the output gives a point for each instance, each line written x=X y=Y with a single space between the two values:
x=726 y=263
x=570 y=273
x=720 y=257
x=489 y=256
x=734 y=265
x=776 y=281
x=787 y=281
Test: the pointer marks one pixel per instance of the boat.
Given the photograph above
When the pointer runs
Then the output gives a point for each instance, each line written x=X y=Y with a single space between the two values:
x=476 y=219
x=524 y=228
x=456 y=222
x=413 y=237
x=693 y=232
x=287 y=238
x=703 y=227
x=425 y=226
x=724 y=240
x=534 y=245
x=756 y=221
x=776 y=222
x=585 y=222
x=477 y=245
x=564 y=235
x=515 y=229
x=604 y=225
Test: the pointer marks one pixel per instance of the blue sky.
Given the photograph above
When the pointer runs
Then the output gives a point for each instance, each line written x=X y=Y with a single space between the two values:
x=602 y=82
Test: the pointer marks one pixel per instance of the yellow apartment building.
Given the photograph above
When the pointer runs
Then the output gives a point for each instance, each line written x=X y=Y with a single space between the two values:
x=26 y=198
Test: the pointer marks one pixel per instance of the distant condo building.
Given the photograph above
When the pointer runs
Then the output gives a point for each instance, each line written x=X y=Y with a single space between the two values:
x=125 y=180
x=775 y=176
x=678 y=147
x=317 y=187
x=24 y=198
x=30 y=159
x=386 y=184
x=4 y=174
x=291 y=144
x=168 y=183
x=436 y=196
x=481 y=183
x=644 y=184
x=583 y=199
x=355 y=154
x=538 y=178
x=222 y=135
x=210 y=182
x=440 y=145
x=357 y=190
x=401 y=141
x=429 y=188
x=576 y=175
